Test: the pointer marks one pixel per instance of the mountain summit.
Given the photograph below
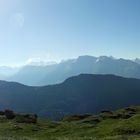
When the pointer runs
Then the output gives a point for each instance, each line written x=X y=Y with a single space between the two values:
x=57 y=73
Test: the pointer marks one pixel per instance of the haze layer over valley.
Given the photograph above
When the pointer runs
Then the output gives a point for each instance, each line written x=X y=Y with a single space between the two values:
x=39 y=74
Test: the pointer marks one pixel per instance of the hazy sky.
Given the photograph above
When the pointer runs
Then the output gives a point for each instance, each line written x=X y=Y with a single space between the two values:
x=58 y=29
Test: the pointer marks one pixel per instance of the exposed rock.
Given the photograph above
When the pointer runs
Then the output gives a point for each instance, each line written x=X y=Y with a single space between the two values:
x=76 y=117
x=26 y=118
x=130 y=109
x=106 y=111
x=17 y=127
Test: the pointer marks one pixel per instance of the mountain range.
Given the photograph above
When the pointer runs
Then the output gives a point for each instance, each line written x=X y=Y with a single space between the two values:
x=39 y=75
x=85 y=93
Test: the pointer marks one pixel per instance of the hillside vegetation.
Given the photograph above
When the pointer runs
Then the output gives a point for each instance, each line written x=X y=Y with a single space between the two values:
x=123 y=124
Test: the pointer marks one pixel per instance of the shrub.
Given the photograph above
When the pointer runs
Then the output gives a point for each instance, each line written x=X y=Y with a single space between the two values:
x=9 y=114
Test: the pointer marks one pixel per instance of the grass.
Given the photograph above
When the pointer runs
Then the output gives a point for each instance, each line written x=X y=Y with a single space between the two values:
x=123 y=124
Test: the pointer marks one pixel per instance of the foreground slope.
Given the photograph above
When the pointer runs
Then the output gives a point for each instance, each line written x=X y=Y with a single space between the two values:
x=85 y=93
x=123 y=124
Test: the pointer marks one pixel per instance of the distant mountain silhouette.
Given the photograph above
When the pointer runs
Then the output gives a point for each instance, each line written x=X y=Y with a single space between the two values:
x=6 y=71
x=85 y=93
x=57 y=73
x=137 y=60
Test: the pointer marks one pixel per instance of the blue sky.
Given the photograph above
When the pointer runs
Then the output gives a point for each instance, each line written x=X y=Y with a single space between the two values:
x=51 y=30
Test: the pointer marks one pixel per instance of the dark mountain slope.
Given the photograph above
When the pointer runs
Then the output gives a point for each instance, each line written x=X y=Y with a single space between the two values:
x=85 y=93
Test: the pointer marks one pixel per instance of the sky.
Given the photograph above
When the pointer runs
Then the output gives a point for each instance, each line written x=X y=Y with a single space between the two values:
x=53 y=30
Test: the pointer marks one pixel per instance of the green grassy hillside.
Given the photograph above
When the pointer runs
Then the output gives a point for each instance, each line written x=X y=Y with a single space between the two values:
x=123 y=124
